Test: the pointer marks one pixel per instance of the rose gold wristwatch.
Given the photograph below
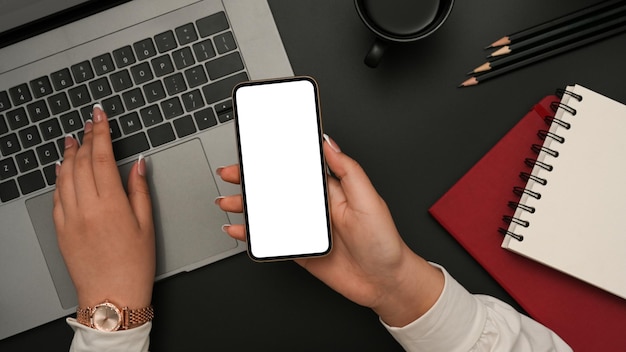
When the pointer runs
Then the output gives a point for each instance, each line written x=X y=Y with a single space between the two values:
x=107 y=317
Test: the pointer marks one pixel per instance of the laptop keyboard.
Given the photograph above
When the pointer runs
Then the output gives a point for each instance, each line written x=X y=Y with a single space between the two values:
x=155 y=91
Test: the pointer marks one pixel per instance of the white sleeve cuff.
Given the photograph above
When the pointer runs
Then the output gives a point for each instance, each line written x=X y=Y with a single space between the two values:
x=454 y=323
x=88 y=339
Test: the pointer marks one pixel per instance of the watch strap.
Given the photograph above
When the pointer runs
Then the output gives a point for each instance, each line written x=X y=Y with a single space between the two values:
x=131 y=318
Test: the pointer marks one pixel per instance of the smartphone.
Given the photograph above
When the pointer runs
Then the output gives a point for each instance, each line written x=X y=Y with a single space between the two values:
x=283 y=172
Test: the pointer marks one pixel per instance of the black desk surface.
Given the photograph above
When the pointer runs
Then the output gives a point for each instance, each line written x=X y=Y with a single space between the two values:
x=413 y=131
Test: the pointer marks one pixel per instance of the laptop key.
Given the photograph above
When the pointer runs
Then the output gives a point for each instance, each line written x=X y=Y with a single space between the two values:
x=144 y=49
x=58 y=103
x=50 y=129
x=205 y=118
x=3 y=126
x=154 y=91
x=165 y=41
x=103 y=64
x=8 y=191
x=113 y=106
x=62 y=79
x=129 y=146
x=9 y=144
x=224 y=66
x=82 y=72
x=7 y=169
x=20 y=94
x=121 y=81
x=71 y=121
x=225 y=42
x=172 y=108
x=184 y=126
x=195 y=76
x=17 y=118
x=133 y=99
x=162 y=65
x=47 y=153
x=124 y=56
x=204 y=50
x=100 y=88
x=141 y=73
x=5 y=103
x=161 y=134
x=26 y=161
x=193 y=100
x=79 y=96
x=50 y=174
x=183 y=58
x=221 y=90
x=29 y=137
x=212 y=24
x=130 y=123
x=31 y=182
x=38 y=110
x=151 y=115
x=175 y=84
x=41 y=87
x=186 y=34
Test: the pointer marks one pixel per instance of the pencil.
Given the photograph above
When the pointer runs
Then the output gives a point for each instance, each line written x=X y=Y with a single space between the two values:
x=472 y=81
x=549 y=25
x=506 y=60
x=591 y=22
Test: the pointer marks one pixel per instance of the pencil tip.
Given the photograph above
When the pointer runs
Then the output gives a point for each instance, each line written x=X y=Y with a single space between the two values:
x=472 y=81
x=502 y=51
x=500 y=42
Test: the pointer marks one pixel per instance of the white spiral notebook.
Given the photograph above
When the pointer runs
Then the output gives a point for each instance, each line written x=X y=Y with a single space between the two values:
x=572 y=213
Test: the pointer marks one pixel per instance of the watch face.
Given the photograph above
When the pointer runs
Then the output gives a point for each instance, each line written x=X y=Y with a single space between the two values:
x=106 y=317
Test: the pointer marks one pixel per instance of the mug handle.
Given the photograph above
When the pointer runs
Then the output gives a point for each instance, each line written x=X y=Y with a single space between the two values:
x=375 y=54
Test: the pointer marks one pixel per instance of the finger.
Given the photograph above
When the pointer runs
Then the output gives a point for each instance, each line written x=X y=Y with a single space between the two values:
x=230 y=173
x=356 y=185
x=231 y=204
x=106 y=174
x=139 y=194
x=84 y=182
x=237 y=232
x=65 y=179
x=57 y=211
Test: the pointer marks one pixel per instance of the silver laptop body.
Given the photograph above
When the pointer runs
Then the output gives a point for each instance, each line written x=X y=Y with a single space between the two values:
x=197 y=50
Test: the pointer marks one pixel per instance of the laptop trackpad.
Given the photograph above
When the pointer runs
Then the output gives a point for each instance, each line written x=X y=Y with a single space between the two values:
x=187 y=222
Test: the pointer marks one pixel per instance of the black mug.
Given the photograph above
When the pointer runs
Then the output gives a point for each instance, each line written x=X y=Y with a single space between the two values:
x=399 y=21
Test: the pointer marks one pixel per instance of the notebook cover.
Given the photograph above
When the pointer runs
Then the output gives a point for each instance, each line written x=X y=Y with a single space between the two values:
x=587 y=318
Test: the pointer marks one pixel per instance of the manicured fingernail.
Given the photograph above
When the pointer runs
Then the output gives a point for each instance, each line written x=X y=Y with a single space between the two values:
x=331 y=143
x=225 y=227
x=218 y=200
x=88 y=126
x=218 y=171
x=141 y=165
x=57 y=167
x=97 y=113
x=69 y=141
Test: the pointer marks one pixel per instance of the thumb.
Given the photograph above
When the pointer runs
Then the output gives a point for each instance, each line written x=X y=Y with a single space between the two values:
x=139 y=194
x=357 y=187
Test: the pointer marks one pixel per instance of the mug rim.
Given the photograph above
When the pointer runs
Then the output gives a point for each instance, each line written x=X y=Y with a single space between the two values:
x=404 y=38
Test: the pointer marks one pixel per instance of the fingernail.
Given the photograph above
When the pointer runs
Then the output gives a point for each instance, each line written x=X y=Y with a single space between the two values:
x=331 y=144
x=88 y=126
x=97 y=113
x=224 y=227
x=218 y=171
x=141 y=165
x=57 y=168
x=69 y=141
x=218 y=200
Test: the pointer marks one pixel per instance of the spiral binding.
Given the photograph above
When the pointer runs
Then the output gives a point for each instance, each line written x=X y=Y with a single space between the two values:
x=532 y=162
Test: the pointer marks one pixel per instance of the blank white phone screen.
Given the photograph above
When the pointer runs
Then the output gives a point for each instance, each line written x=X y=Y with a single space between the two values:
x=283 y=174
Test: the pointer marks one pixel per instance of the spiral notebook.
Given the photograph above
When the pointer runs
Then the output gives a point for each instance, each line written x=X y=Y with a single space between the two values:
x=586 y=317
x=571 y=212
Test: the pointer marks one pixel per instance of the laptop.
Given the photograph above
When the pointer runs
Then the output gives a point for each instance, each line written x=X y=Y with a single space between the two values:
x=163 y=71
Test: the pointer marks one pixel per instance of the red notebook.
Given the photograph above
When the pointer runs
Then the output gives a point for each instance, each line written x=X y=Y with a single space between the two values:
x=587 y=318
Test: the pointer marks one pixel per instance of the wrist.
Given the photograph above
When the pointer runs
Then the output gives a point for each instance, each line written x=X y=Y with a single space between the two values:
x=416 y=287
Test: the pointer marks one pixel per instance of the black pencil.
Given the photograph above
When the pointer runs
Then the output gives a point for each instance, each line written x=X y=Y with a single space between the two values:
x=548 y=25
x=506 y=60
x=595 y=20
x=556 y=51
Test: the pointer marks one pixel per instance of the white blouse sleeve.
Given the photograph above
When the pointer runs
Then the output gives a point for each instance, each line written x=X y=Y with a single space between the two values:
x=460 y=321
x=88 y=339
